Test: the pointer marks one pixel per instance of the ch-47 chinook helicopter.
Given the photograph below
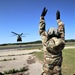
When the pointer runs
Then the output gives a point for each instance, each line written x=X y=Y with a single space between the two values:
x=19 y=36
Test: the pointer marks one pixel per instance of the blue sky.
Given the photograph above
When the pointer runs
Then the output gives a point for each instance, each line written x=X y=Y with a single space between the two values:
x=23 y=16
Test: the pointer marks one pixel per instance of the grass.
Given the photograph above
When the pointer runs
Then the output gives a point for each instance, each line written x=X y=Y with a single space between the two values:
x=39 y=55
x=32 y=46
x=70 y=44
x=9 y=46
x=68 y=65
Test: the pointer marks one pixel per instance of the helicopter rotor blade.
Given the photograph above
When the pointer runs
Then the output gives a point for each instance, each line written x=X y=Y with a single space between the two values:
x=14 y=33
x=21 y=34
x=26 y=34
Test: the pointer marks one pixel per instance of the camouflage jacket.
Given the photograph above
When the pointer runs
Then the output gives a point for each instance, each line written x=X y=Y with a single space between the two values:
x=53 y=45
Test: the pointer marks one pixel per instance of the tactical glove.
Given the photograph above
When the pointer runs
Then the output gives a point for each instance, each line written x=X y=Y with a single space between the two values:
x=58 y=14
x=44 y=12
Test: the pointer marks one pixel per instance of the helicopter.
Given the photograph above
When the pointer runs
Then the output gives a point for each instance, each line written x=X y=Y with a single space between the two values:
x=19 y=36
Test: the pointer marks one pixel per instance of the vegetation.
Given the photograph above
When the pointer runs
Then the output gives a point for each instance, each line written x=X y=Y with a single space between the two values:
x=68 y=65
x=31 y=45
x=39 y=55
x=71 y=40
x=15 y=71
x=34 y=42
x=8 y=59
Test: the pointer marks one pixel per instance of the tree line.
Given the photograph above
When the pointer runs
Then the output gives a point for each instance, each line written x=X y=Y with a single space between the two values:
x=34 y=42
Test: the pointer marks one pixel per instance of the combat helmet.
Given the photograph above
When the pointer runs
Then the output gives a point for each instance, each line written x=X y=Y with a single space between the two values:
x=53 y=32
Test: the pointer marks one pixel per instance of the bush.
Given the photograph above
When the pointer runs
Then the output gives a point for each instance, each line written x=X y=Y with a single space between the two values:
x=23 y=69
x=5 y=60
x=14 y=59
x=15 y=71
x=10 y=71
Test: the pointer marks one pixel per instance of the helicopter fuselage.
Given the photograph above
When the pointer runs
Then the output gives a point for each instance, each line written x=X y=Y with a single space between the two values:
x=19 y=38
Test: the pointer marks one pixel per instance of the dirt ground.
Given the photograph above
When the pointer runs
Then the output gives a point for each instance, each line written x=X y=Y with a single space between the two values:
x=21 y=57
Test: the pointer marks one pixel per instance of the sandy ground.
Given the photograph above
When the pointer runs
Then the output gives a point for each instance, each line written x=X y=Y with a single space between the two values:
x=21 y=61
x=21 y=57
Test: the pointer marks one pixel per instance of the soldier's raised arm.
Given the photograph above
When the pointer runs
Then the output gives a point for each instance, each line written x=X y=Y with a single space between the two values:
x=61 y=29
x=42 y=25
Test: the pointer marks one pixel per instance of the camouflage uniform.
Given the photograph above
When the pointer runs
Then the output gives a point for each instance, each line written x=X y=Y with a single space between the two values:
x=52 y=47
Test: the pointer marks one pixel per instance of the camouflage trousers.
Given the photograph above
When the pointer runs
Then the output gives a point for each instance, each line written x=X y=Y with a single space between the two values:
x=55 y=71
x=52 y=66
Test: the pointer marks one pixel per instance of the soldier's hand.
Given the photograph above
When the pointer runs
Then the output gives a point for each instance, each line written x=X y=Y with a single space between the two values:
x=44 y=12
x=58 y=14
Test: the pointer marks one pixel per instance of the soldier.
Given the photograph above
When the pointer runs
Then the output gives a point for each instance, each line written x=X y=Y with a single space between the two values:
x=53 y=42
